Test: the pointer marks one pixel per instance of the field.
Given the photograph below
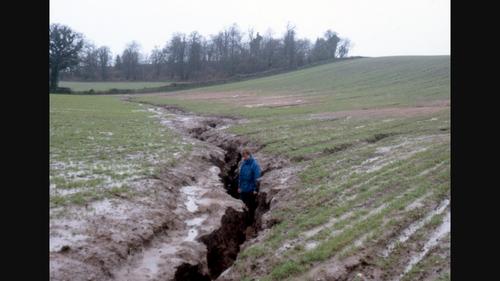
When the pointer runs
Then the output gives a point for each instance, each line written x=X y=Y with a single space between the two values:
x=105 y=86
x=99 y=146
x=375 y=134
x=347 y=85
x=369 y=140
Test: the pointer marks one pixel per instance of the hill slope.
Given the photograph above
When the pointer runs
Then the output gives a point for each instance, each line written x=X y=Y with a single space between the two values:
x=371 y=139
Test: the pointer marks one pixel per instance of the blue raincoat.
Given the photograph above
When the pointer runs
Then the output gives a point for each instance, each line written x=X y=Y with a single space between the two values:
x=249 y=173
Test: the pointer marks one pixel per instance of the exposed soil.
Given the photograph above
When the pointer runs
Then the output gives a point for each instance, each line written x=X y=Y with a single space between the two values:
x=248 y=99
x=418 y=110
x=187 y=225
x=364 y=264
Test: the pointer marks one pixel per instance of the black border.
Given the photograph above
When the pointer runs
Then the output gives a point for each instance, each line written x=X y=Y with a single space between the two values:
x=26 y=140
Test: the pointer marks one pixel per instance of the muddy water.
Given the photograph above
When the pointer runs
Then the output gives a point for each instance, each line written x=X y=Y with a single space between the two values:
x=408 y=232
x=200 y=209
x=149 y=237
x=184 y=227
x=191 y=192
x=433 y=240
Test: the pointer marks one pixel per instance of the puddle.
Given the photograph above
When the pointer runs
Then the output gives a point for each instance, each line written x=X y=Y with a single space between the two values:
x=192 y=233
x=434 y=239
x=406 y=234
x=196 y=221
x=180 y=242
x=191 y=205
x=311 y=245
x=417 y=203
x=192 y=193
x=151 y=261
x=329 y=224
x=423 y=173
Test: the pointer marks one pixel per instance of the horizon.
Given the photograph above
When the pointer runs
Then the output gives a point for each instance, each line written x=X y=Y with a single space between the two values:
x=398 y=26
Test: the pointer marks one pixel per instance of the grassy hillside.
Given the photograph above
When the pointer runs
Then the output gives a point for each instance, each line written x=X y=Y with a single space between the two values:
x=353 y=84
x=373 y=136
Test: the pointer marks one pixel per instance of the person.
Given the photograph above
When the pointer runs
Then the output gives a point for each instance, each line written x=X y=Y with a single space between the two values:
x=248 y=181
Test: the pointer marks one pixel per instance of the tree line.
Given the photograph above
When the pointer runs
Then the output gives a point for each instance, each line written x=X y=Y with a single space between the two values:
x=188 y=57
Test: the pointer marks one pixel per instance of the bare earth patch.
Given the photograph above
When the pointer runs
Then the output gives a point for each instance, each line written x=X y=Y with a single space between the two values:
x=184 y=225
x=419 y=110
x=246 y=99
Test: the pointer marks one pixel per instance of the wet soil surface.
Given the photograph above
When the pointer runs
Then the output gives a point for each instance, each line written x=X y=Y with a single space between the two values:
x=187 y=224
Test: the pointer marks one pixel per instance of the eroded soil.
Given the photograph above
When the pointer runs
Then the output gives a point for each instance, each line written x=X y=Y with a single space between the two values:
x=185 y=225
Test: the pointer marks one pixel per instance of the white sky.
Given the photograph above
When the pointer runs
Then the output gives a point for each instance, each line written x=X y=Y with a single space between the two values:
x=375 y=27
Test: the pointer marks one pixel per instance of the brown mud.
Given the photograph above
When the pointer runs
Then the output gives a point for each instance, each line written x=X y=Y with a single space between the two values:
x=187 y=224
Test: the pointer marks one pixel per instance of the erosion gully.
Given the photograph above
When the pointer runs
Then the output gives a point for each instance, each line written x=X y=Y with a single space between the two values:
x=236 y=226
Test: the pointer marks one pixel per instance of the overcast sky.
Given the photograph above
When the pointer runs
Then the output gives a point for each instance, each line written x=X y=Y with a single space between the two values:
x=376 y=28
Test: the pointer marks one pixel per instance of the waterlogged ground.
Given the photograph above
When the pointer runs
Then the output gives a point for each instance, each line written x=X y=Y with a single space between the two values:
x=371 y=138
x=103 y=147
x=147 y=223
x=356 y=177
x=369 y=186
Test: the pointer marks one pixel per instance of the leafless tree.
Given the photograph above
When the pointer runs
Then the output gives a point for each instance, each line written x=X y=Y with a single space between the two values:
x=344 y=48
x=289 y=46
x=227 y=53
x=130 y=60
x=177 y=55
x=104 y=59
x=158 y=59
x=89 y=61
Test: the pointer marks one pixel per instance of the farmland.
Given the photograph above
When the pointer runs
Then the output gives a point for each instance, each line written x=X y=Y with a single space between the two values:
x=101 y=145
x=374 y=138
x=365 y=188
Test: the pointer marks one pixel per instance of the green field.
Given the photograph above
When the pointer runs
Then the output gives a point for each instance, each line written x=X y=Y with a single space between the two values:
x=99 y=146
x=372 y=134
x=105 y=86
x=353 y=84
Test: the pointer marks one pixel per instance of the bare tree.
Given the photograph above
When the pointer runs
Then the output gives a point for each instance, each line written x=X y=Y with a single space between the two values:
x=255 y=45
x=158 y=58
x=221 y=50
x=255 y=52
x=64 y=48
x=289 y=45
x=303 y=50
x=344 y=48
x=130 y=60
x=271 y=51
x=194 y=54
x=118 y=62
x=177 y=55
x=89 y=61
x=227 y=53
x=235 y=46
x=104 y=60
